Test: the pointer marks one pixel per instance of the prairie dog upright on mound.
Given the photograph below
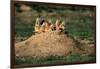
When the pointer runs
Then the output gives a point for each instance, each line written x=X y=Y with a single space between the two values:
x=48 y=24
x=52 y=27
x=37 y=25
x=62 y=26
x=43 y=27
x=57 y=24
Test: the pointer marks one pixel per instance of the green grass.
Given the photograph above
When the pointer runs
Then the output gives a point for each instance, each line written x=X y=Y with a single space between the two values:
x=55 y=60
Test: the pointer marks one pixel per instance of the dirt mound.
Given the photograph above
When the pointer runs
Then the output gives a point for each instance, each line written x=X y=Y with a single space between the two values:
x=47 y=44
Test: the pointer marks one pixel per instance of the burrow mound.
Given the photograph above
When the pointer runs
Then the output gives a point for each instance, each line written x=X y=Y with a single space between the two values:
x=47 y=44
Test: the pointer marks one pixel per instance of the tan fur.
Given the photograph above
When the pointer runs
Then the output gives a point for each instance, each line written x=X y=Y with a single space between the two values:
x=51 y=27
x=57 y=24
x=43 y=27
x=37 y=25
x=48 y=23
x=62 y=26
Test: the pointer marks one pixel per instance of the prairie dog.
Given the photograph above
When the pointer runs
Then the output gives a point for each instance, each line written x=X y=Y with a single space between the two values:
x=52 y=27
x=37 y=21
x=48 y=24
x=62 y=26
x=57 y=24
x=47 y=27
x=37 y=26
x=42 y=28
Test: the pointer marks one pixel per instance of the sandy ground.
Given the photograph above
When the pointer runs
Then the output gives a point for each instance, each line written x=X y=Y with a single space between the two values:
x=52 y=44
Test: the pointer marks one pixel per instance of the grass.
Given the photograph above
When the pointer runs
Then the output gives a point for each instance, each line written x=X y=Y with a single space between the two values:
x=78 y=22
x=55 y=60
